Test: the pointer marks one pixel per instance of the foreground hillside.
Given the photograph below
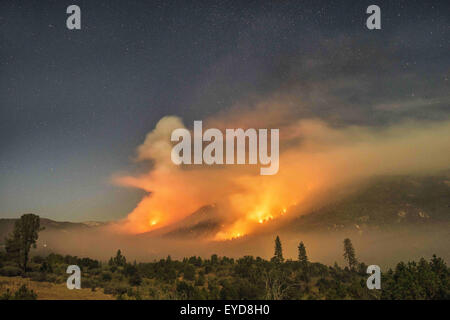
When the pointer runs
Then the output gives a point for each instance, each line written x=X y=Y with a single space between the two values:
x=222 y=278
x=44 y=276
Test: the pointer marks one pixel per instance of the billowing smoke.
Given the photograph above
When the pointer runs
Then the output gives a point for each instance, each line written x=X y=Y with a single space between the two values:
x=314 y=157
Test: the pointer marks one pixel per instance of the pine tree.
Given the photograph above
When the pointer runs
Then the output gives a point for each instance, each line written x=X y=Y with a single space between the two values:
x=119 y=260
x=303 y=260
x=23 y=238
x=278 y=255
x=349 y=254
x=302 y=257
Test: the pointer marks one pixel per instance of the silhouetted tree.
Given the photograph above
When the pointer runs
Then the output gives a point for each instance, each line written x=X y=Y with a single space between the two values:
x=24 y=236
x=302 y=257
x=119 y=259
x=278 y=255
x=349 y=254
x=189 y=272
x=185 y=290
x=200 y=279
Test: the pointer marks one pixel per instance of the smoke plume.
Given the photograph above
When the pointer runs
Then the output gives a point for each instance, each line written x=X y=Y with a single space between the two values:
x=314 y=157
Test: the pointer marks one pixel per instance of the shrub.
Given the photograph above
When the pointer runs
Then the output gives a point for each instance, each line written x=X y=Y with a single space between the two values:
x=7 y=295
x=115 y=289
x=38 y=259
x=185 y=290
x=135 y=280
x=10 y=271
x=53 y=278
x=46 y=267
x=37 y=276
x=106 y=276
x=24 y=294
x=189 y=272
x=200 y=279
x=90 y=283
x=33 y=267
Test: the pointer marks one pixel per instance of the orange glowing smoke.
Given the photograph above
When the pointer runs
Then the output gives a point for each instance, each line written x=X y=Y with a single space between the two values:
x=313 y=157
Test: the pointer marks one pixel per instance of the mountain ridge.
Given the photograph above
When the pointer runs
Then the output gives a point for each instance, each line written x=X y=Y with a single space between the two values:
x=381 y=203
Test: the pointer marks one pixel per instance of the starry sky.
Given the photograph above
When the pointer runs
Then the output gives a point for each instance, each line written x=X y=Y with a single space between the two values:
x=75 y=104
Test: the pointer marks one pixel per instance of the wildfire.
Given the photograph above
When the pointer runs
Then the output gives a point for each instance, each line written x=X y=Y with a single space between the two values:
x=231 y=235
x=248 y=223
x=316 y=158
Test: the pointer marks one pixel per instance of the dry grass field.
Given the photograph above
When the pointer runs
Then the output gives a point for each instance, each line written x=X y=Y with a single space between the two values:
x=51 y=291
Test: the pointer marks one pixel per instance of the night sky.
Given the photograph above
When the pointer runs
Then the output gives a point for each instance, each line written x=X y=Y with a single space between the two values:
x=75 y=104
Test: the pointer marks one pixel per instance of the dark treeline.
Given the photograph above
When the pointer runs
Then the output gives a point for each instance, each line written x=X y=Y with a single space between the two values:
x=227 y=278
